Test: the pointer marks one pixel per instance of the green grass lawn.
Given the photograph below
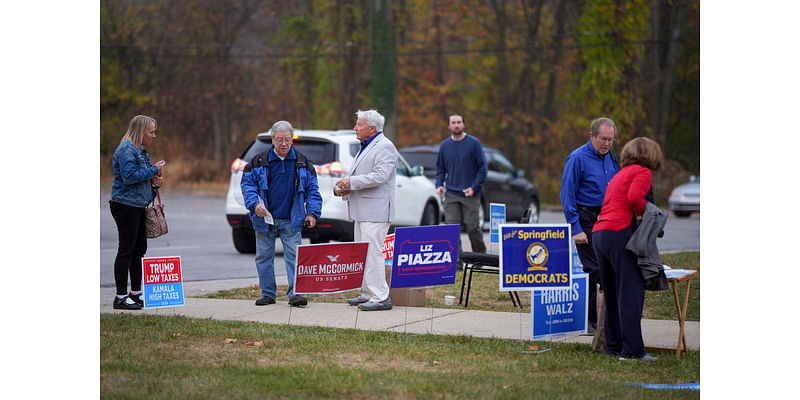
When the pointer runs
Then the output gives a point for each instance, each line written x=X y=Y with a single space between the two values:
x=485 y=295
x=168 y=357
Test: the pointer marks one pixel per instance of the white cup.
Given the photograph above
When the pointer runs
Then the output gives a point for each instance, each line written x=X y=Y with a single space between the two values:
x=449 y=300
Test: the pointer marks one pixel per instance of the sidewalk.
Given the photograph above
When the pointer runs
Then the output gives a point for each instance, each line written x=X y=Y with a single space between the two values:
x=453 y=320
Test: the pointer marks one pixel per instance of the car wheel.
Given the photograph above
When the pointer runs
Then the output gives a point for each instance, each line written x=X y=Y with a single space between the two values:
x=244 y=241
x=430 y=215
x=682 y=214
x=318 y=239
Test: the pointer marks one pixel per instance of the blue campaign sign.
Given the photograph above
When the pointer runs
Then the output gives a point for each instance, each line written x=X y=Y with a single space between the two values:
x=577 y=264
x=425 y=256
x=562 y=312
x=535 y=256
x=497 y=216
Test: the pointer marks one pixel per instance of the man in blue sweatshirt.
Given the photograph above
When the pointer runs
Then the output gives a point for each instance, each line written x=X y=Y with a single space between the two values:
x=461 y=169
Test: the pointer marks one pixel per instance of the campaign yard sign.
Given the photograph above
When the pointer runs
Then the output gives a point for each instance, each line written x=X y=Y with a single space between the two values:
x=577 y=264
x=388 y=247
x=497 y=216
x=163 y=282
x=425 y=256
x=535 y=256
x=560 y=312
x=330 y=268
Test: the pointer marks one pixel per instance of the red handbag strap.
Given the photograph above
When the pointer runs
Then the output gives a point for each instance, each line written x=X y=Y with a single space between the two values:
x=158 y=195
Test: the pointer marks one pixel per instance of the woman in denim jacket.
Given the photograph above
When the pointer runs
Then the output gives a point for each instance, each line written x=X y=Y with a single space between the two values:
x=133 y=189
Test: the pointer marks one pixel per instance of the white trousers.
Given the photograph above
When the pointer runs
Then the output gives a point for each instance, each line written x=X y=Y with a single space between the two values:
x=374 y=287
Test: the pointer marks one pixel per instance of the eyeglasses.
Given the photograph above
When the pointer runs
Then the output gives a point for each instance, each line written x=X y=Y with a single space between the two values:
x=605 y=140
x=282 y=141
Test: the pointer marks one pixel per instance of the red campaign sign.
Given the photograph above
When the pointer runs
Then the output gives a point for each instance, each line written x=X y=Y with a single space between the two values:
x=330 y=268
x=388 y=247
x=161 y=270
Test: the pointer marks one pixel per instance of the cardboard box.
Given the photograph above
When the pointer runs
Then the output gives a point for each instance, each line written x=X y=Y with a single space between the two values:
x=411 y=297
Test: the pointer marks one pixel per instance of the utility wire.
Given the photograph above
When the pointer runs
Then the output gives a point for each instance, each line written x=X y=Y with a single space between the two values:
x=212 y=51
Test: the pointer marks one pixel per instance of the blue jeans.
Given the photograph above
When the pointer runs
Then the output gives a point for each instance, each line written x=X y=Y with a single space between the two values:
x=265 y=256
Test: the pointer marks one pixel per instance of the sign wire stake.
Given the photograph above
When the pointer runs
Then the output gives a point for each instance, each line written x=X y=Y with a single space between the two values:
x=550 y=337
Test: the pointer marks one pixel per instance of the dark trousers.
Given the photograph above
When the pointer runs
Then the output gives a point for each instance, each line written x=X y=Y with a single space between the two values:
x=624 y=293
x=586 y=218
x=132 y=246
x=464 y=211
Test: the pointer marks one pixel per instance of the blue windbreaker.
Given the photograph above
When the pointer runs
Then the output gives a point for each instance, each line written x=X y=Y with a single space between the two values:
x=255 y=184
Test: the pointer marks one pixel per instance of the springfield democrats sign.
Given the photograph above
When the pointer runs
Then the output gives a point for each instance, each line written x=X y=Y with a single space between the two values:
x=330 y=268
x=425 y=256
x=535 y=256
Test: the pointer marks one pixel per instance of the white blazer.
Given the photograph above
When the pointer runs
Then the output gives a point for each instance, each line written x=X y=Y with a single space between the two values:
x=372 y=182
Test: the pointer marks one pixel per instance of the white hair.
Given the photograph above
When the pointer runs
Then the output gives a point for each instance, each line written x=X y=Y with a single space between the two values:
x=373 y=118
x=282 y=126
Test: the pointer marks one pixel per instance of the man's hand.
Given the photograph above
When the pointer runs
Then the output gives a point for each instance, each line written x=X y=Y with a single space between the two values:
x=261 y=211
x=469 y=192
x=342 y=187
x=581 y=238
x=310 y=221
x=440 y=190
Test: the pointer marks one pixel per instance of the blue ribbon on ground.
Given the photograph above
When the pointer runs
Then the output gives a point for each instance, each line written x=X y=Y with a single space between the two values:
x=680 y=386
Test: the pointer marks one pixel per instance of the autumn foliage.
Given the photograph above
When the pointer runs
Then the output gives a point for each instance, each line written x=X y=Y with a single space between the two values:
x=528 y=76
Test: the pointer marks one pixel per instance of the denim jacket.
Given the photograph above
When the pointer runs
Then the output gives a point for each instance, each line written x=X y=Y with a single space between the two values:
x=132 y=174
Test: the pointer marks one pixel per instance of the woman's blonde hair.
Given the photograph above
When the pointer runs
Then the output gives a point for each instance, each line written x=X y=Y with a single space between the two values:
x=137 y=129
x=642 y=151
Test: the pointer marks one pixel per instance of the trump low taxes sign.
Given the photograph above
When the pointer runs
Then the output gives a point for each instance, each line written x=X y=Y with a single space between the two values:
x=535 y=256
x=163 y=282
x=330 y=268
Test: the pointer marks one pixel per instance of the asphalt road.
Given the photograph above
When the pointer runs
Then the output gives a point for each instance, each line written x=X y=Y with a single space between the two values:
x=200 y=235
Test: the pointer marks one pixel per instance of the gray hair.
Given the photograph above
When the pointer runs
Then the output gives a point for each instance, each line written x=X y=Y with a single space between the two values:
x=282 y=126
x=137 y=128
x=598 y=123
x=373 y=118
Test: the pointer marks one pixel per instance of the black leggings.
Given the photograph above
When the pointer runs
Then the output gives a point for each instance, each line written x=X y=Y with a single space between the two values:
x=132 y=246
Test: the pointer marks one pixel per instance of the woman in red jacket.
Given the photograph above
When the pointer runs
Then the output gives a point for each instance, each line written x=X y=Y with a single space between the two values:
x=623 y=285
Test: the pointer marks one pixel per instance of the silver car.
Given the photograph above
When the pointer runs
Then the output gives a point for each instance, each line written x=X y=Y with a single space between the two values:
x=332 y=153
x=685 y=198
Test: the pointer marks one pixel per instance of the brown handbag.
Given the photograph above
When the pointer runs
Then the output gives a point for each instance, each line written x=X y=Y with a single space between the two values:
x=155 y=221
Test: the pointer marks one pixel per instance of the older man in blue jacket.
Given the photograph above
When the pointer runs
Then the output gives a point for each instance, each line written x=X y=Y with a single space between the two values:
x=587 y=172
x=281 y=193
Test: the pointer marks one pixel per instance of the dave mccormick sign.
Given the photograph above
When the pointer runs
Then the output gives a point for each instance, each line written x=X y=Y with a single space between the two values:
x=425 y=256
x=330 y=268
x=535 y=256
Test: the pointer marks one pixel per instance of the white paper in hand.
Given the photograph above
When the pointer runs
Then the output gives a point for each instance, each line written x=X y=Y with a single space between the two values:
x=267 y=218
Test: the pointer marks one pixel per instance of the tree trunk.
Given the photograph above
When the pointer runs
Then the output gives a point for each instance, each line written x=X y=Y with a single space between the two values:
x=383 y=66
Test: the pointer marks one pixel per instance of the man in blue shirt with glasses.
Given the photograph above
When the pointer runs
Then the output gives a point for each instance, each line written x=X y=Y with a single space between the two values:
x=587 y=171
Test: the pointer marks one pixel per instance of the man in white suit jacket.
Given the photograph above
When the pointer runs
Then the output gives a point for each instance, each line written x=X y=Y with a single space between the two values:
x=369 y=192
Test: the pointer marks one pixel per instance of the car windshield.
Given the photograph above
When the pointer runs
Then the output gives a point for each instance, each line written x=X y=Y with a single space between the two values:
x=318 y=152
x=427 y=160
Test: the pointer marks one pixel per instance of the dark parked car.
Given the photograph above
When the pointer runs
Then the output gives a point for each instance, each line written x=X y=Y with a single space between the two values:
x=504 y=184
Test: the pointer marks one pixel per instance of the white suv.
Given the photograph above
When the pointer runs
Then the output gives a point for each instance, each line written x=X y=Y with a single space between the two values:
x=332 y=152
